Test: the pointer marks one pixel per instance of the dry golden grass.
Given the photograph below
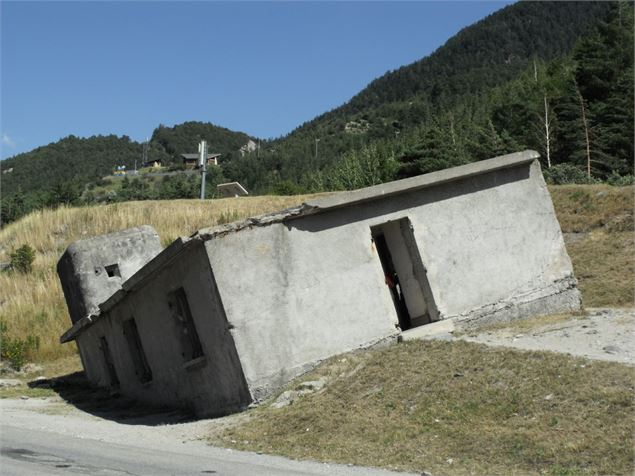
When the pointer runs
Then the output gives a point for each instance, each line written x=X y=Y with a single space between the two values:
x=455 y=408
x=598 y=224
x=33 y=304
x=461 y=408
x=604 y=264
x=582 y=208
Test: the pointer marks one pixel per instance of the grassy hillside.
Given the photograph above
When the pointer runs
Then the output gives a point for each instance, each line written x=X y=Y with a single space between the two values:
x=454 y=408
x=32 y=305
x=597 y=221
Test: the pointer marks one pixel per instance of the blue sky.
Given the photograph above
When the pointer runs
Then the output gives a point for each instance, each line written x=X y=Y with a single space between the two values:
x=87 y=68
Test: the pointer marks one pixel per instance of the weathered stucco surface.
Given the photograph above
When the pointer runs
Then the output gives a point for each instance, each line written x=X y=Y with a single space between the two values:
x=82 y=268
x=272 y=296
x=301 y=300
x=211 y=385
x=490 y=243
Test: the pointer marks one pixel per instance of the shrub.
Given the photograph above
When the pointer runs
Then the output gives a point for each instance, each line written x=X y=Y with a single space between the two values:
x=22 y=259
x=287 y=188
x=620 y=180
x=562 y=174
x=228 y=217
x=16 y=351
x=357 y=169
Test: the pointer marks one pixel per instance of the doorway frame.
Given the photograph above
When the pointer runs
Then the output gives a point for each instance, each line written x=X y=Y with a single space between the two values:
x=419 y=272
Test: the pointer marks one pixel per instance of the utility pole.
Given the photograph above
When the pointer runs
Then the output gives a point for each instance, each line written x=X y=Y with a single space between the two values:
x=144 y=159
x=316 y=149
x=202 y=161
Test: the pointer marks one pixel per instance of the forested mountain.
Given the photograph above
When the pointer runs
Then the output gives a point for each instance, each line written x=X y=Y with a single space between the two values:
x=481 y=94
x=184 y=138
x=479 y=57
x=58 y=172
x=69 y=159
x=553 y=76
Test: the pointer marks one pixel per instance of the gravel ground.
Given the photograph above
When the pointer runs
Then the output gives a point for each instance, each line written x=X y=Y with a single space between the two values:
x=47 y=436
x=603 y=334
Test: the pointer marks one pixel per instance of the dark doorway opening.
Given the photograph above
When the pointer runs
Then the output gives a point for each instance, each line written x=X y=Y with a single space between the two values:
x=392 y=281
x=404 y=273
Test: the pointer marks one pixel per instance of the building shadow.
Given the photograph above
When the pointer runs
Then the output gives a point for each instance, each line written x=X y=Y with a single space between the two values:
x=108 y=404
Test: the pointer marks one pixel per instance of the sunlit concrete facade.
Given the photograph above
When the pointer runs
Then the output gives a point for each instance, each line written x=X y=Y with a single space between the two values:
x=229 y=315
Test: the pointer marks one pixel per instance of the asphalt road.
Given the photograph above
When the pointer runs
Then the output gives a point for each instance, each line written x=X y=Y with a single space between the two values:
x=31 y=451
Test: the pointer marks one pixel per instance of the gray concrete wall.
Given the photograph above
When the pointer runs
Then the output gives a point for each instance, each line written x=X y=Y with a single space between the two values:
x=301 y=291
x=211 y=385
x=494 y=240
x=82 y=267
x=295 y=297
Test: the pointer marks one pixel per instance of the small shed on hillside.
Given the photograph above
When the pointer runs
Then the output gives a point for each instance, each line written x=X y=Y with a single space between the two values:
x=223 y=318
x=191 y=160
x=154 y=163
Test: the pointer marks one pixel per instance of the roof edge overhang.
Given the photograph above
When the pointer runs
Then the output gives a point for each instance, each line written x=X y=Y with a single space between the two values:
x=77 y=328
x=411 y=184
x=133 y=282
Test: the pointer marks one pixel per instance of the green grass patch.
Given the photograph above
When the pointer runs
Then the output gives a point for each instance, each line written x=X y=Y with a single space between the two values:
x=582 y=208
x=51 y=369
x=456 y=408
x=18 y=392
x=604 y=264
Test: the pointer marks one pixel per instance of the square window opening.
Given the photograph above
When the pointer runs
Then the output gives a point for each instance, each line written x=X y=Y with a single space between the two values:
x=113 y=271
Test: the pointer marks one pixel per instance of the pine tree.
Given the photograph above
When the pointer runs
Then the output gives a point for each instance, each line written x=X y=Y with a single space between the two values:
x=487 y=142
x=434 y=150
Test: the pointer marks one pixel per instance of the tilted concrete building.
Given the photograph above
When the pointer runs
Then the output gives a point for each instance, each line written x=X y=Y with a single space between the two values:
x=232 y=313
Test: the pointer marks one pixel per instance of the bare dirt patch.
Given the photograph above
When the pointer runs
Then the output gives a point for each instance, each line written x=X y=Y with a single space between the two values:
x=599 y=334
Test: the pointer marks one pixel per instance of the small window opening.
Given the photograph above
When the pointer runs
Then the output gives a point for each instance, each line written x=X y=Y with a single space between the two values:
x=142 y=369
x=110 y=366
x=188 y=336
x=113 y=271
